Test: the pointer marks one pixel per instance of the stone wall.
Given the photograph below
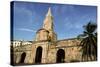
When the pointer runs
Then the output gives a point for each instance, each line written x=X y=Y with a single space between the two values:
x=49 y=51
x=19 y=50
x=70 y=47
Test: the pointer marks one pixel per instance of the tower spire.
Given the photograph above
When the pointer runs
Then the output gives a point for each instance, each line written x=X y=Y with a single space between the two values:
x=49 y=33
x=48 y=21
x=49 y=12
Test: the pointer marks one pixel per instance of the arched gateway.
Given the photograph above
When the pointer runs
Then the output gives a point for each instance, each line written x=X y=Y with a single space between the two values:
x=38 y=55
x=60 y=56
x=23 y=57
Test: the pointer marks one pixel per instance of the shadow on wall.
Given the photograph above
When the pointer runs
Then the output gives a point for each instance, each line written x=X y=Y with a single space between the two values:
x=74 y=61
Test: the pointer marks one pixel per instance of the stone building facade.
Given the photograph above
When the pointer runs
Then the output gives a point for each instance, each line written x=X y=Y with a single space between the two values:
x=46 y=48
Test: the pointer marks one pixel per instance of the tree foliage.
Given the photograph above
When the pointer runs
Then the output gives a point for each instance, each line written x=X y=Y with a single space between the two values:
x=89 y=42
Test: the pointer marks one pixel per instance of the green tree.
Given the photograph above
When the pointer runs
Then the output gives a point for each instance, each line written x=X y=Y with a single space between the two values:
x=89 y=42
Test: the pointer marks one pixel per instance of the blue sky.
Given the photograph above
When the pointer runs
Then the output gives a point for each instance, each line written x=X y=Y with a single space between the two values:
x=68 y=19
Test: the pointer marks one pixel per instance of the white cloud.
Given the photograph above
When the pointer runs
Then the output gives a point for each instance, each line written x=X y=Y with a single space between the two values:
x=63 y=9
x=26 y=29
x=71 y=25
x=68 y=23
x=69 y=8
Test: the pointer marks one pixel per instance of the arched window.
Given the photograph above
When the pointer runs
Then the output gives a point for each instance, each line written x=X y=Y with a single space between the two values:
x=60 y=56
x=23 y=57
x=38 y=55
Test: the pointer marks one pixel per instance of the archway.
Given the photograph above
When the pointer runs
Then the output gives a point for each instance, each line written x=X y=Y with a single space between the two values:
x=60 y=56
x=38 y=55
x=23 y=57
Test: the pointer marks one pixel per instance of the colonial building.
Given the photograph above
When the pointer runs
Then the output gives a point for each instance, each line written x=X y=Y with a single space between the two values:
x=18 y=43
x=46 y=48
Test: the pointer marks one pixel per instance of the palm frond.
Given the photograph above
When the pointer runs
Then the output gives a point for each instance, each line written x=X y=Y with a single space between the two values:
x=89 y=42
